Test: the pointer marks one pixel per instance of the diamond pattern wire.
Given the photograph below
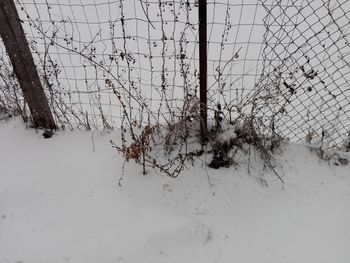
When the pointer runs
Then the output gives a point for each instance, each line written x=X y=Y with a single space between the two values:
x=304 y=90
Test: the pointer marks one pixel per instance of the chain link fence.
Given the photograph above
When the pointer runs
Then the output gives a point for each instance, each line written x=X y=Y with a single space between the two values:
x=105 y=62
x=304 y=92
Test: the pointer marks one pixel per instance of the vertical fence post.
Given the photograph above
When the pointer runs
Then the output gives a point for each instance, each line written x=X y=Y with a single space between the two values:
x=16 y=45
x=202 y=17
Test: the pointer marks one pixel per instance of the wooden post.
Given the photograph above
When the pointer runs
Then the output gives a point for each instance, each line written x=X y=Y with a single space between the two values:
x=202 y=16
x=16 y=45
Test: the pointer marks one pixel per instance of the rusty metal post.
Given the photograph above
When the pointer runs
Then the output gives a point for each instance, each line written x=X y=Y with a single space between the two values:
x=16 y=45
x=202 y=17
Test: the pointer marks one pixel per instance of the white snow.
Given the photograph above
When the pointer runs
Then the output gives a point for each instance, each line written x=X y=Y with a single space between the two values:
x=60 y=202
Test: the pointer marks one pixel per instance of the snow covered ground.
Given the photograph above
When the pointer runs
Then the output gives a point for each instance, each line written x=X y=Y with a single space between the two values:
x=60 y=203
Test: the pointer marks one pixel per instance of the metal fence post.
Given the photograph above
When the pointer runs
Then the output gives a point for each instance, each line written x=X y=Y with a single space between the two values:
x=202 y=16
x=16 y=45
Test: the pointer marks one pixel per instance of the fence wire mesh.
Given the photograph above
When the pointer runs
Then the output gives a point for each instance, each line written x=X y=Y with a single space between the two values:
x=304 y=91
x=148 y=47
x=102 y=62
